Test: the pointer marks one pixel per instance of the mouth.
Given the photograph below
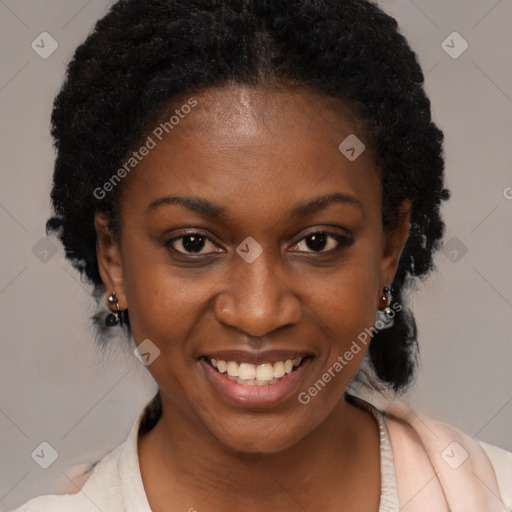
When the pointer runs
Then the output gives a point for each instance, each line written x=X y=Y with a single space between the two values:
x=263 y=374
x=255 y=381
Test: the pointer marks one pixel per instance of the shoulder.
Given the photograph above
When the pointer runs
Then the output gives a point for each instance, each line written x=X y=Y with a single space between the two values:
x=113 y=484
x=479 y=465
x=57 y=503
x=501 y=461
x=100 y=491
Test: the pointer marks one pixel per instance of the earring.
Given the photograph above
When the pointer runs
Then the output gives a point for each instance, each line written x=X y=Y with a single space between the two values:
x=385 y=300
x=114 y=317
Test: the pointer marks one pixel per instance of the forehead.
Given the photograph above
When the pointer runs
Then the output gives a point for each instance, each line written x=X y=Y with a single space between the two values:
x=260 y=144
x=249 y=116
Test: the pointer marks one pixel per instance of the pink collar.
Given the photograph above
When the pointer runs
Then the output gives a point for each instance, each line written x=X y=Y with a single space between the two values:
x=439 y=468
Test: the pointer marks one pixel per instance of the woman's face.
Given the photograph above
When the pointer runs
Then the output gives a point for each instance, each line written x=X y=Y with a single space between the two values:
x=249 y=238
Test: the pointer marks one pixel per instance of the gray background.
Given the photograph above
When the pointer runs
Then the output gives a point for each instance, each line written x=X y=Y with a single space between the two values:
x=56 y=387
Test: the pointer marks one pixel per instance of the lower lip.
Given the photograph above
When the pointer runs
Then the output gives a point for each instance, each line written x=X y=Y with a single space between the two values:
x=254 y=396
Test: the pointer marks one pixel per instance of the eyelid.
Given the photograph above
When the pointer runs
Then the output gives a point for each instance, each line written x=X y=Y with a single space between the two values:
x=327 y=230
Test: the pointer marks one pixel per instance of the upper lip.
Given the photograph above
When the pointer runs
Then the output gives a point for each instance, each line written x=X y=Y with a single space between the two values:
x=267 y=356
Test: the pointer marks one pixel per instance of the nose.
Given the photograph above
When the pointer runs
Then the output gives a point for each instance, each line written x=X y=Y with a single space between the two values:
x=257 y=298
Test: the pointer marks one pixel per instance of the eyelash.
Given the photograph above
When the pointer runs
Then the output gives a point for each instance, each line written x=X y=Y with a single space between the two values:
x=343 y=241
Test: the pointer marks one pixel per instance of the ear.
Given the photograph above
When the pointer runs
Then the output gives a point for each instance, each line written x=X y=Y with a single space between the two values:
x=109 y=260
x=394 y=242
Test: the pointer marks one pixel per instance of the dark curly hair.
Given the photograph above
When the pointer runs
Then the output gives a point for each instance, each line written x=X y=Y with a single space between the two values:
x=146 y=54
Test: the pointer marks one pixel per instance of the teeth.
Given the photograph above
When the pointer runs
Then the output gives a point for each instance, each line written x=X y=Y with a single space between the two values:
x=250 y=374
x=247 y=371
x=232 y=369
x=253 y=382
x=264 y=371
x=279 y=370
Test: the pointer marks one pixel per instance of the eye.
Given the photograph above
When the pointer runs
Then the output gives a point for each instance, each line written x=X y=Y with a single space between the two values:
x=191 y=243
x=318 y=241
x=322 y=241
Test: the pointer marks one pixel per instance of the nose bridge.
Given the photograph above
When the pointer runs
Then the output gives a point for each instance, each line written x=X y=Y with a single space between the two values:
x=257 y=299
x=259 y=283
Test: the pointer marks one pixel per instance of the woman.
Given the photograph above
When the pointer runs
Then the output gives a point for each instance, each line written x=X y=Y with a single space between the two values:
x=252 y=186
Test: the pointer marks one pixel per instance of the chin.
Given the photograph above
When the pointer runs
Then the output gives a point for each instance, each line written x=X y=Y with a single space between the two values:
x=258 y=433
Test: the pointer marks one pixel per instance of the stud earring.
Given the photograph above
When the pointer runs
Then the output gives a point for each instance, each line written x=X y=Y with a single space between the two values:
x=385 y=300
x=114 y=317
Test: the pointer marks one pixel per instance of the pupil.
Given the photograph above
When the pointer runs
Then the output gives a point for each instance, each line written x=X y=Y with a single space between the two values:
x=193 y=243
x=317 y=241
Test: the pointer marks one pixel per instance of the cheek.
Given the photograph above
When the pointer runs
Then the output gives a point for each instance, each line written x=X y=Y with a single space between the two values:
x=159 y=296
x=345 y=305
x=162 y=304
x=347 y=294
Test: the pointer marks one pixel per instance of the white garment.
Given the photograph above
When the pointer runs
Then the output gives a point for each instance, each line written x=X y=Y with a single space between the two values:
x=115 y=484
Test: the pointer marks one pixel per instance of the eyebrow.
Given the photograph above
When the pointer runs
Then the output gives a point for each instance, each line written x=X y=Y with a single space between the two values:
x=218 y=212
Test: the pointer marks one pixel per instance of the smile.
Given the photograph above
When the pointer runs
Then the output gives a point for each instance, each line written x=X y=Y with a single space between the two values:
x=255 y=375
x=264 y=381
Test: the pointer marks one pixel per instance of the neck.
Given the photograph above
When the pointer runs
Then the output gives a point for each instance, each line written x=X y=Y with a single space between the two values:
x=183 y=463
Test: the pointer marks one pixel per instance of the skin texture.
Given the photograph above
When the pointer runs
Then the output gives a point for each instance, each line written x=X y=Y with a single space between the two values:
x=258 y=152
